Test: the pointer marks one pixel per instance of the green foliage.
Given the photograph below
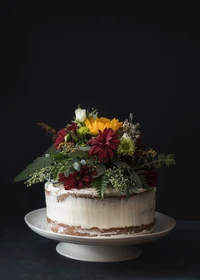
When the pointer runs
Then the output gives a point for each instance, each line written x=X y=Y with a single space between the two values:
x=136 y=179
x=101 y=168
x=50 y=150
x=144 y=183
x=100 y=184
x=39 y=176
x=160 y=161
x=119 y=178
x=92 y=114
x=77 y=154
x=73 y=135
x=64 y=167
x=59 y=157
x=38 y=163
x=121 y=164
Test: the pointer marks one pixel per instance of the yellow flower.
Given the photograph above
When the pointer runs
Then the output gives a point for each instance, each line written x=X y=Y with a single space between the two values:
x=94 y=125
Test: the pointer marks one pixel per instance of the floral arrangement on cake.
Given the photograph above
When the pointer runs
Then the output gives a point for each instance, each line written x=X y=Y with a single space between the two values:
x=98 y=152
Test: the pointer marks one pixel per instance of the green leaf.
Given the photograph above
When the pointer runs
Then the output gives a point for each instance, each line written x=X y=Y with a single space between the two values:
x=24 y=175
x=133 y=189
x=136 y=178
x=78 y=154
x=141 y=171
x=170 y=156
x=73 y=135
x=121 y=164
x=157 y=164
x=101 y=168
x=38 y=163
x=161 y=157
x=50 y=150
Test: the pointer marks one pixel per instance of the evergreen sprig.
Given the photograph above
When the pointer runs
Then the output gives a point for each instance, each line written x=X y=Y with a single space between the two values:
x=100 y=184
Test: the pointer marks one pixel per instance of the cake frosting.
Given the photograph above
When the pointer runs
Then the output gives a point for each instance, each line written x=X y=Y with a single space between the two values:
x=82 y=212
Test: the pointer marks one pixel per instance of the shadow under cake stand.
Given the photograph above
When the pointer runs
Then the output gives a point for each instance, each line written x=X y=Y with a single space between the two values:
x=99 y=249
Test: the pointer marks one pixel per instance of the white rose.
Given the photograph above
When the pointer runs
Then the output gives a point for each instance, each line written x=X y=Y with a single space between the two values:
x=80 y=115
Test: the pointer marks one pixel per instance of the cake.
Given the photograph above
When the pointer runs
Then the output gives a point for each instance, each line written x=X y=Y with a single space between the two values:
x=83 y=213
x=100 y=178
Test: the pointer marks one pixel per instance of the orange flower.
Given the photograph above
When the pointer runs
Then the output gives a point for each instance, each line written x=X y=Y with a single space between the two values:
x=94 y=125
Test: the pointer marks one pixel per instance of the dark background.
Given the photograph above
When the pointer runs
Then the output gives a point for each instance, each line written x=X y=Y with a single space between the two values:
x=147 y=64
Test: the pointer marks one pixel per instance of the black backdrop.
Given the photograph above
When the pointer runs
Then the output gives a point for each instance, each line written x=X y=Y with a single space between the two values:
x=117 y=64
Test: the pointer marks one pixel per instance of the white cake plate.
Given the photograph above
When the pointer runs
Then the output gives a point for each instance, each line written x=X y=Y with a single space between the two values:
x=116 y=248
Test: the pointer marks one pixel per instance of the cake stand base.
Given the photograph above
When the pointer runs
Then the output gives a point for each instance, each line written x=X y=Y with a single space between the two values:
x=115 y=248
x=90 y=253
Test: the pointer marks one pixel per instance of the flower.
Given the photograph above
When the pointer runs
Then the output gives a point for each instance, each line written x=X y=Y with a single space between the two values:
x=114 y=149
x=83 y=131
x=72 y=127
x=104 y=145
x=78 y=179
x=126 y=146
x=80 y=115
x=61 y=138
x=99 y=124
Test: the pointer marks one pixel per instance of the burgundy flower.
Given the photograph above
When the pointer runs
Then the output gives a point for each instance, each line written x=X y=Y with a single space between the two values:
x=104 y=145
x=60 y=138
x=79 y=179
x=151 y=177
x=62 y=133
x=72 y=127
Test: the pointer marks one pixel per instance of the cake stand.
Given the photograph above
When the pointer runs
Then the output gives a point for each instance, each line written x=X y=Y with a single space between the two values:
x=116 y=248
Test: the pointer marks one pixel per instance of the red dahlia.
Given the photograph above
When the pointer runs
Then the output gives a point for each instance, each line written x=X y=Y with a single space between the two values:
x=72 y=127
x=62 y=133
x=79 y=179
x=60 y=138
x=104 y=145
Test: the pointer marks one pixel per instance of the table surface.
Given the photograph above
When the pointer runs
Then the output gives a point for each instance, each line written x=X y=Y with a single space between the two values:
x=27 y=255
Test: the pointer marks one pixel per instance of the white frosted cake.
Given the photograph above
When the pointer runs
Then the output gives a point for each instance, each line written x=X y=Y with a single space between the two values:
x=82 y=212
x=105 y=176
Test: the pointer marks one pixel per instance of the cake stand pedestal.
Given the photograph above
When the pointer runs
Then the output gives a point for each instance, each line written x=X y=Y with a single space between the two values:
x=97 y=253
x=114 y=248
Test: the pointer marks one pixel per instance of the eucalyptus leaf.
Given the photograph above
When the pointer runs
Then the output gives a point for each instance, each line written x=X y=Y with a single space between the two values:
x=78 y=154
x=25 y=174
x=170 y=156
x=121 y=164
x=101 y=168
x=161 y=157
x=133 y=189
x=157 y=164
x=136 y=178
x=84 y=148
x=59 y=156
x=50 y=150
x=38 y=163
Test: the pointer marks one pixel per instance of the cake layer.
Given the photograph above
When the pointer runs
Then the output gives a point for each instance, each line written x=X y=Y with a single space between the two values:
x=79 y=231
x=82 y=212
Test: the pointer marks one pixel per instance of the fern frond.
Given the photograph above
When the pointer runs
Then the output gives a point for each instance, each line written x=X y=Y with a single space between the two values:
x=100 y=185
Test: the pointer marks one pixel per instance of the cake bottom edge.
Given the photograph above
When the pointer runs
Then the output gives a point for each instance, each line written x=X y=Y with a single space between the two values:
x=94 y=232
